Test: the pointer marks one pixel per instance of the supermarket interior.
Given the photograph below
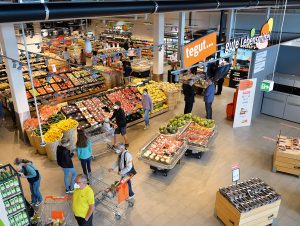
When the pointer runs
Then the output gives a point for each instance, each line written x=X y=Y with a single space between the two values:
x=169 y=113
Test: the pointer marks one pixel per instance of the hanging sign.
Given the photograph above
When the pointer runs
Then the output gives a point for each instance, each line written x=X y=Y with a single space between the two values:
x=235 y=172
x=244 y=104
x=252 y=42
x=199 y=49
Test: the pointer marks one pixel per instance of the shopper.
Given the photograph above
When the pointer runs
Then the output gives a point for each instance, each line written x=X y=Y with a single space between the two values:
x=1 y=113
x=189 y=96
x=147 y=106
x=12 y=111
x=66 y=55
x=220 y=86
x=94 y=58
x=82 y=58
x=120 y=116
x=127 y=72
x=83 y=202
x=30 y=172
x=126 y=45
x=64 y=160
x=125 y=166
x=84 y=152
x=209 y=95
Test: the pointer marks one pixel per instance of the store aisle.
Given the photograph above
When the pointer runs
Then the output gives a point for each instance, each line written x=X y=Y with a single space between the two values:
x=187 y=195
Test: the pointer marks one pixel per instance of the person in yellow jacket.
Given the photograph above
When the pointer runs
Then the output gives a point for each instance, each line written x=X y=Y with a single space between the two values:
x=83 y=203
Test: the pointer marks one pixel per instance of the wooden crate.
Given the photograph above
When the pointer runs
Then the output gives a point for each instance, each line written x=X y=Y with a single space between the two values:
x=260 y=216
x=287 y=162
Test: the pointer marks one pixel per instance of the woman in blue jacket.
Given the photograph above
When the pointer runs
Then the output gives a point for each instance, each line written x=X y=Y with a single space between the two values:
x=84 y=152
x=29 y=171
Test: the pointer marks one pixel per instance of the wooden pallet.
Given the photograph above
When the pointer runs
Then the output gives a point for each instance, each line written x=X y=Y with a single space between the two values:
x=287 y=162
x=260 y=216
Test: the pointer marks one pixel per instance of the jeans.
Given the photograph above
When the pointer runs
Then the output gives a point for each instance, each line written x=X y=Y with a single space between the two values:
x=86 y=165
x=188 y=107
x=131 y=193
x=146 y=116
x=208 y=110
x=67 y=172
x=81 y=221
x=36 y=195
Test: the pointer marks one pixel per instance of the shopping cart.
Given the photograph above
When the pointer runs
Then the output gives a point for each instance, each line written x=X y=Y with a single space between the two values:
x=57 y=211
x=100 y=140
x=111 y=192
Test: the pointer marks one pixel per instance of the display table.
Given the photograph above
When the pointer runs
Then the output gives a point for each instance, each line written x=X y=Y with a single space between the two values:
x=287 y=156
x=248 y=203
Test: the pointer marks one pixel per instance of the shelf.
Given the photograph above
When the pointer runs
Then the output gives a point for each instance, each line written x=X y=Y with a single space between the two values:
x=16 y=212
x=11 y=196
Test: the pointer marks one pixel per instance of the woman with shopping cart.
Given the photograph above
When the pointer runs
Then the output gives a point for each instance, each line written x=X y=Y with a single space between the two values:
x=125 y=166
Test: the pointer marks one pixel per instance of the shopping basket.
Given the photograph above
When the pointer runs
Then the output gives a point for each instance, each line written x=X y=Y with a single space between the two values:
x=57 y=211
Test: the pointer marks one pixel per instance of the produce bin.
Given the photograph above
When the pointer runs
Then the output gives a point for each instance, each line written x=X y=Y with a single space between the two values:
x=37 y=141
x=30 y=138
x=158 y=164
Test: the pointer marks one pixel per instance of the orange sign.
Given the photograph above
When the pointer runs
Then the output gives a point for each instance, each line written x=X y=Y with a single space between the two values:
x=200 y=49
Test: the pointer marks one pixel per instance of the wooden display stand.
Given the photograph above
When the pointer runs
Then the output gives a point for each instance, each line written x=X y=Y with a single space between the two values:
x=260 y=216
x=286 y=161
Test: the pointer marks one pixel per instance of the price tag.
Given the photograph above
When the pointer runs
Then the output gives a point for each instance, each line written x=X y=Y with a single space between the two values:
x=235 y=172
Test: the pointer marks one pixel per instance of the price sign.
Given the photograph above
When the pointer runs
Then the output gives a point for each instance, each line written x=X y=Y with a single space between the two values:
x=235 y=172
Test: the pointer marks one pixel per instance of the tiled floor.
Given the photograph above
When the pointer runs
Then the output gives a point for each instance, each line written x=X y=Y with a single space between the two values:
x=187 y=195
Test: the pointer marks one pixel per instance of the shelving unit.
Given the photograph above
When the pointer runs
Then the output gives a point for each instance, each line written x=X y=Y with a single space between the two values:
x=13 y=210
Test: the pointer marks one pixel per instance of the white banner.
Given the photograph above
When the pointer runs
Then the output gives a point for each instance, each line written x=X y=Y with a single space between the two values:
x=244 y=103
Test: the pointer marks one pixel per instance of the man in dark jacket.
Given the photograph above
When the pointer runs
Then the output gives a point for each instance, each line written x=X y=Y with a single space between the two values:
x=189 y=96
x=120 y=116
x=209 y=95
x=64 y=160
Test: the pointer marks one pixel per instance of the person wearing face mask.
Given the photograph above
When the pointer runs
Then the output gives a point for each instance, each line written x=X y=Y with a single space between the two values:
x=189 y=96
x=120 y=116
x=209 y=95
x=83 y=201
x=124 y=165
x=148 y=107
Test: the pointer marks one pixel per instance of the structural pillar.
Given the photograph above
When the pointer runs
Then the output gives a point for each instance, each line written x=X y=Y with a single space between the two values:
x=268 y=12
x=158 y=39
x=230 y=25
x=181 y=33
x=9 y=47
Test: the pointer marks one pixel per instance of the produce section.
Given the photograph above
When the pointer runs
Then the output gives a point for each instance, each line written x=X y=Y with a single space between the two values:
x=162 y=153
x=12 y=203
x=194 y=132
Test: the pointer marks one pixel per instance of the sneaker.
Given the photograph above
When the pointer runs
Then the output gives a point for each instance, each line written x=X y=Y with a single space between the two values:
x=32 y=203
x=67 y=191
x=146 y=127
x=38 y=204
x=71 y=191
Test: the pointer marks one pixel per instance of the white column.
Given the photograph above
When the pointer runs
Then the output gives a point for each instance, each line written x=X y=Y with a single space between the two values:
x=158 y=39
x=268 y=12
x=230 y=25
x=181 y=36
x=8 y=43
